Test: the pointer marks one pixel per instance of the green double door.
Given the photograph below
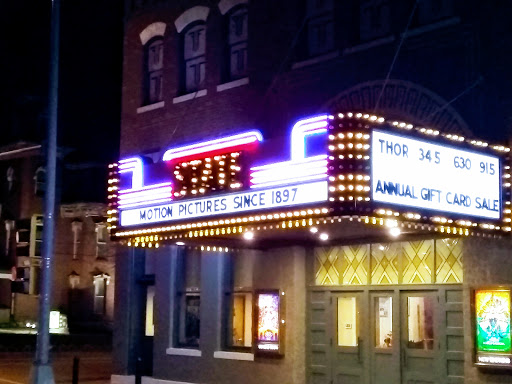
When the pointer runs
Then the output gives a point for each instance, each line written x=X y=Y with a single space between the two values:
x=388 y=337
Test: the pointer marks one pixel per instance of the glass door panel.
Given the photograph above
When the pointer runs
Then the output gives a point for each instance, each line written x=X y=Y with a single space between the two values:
x=349 y=359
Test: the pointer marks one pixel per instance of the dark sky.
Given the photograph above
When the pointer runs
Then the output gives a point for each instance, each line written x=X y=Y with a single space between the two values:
x=90 y=74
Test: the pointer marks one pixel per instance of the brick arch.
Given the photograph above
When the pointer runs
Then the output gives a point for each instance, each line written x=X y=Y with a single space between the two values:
x=197 y=13
x=152 y=30
x=404 y=101
x=226 y=5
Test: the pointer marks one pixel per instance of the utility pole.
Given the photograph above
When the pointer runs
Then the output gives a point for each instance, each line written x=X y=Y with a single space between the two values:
x=41 y=372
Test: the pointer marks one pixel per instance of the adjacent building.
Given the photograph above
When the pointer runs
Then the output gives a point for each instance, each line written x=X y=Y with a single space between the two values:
x=313 y=192
x=83 y=260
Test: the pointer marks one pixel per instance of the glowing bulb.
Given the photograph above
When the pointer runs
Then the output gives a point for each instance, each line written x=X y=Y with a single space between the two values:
x=313 y=229
x=324 y=236
x=395 y=231
x=249 y=235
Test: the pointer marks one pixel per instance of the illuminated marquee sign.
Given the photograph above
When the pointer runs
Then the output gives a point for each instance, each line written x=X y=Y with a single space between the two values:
x=492 y=320
x=230 y=203
x=419 y=173
x=348 y=164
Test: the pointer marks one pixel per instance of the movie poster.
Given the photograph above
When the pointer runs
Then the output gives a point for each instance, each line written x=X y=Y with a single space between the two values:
x=492 y=320
x=268 y=321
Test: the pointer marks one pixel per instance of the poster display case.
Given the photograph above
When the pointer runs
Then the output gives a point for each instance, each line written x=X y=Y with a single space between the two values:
x=269 y=324
x=492 y=328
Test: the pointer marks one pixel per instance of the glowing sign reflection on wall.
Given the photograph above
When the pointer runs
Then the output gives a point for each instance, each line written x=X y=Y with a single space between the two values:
x=492 y=320
x=268 y=332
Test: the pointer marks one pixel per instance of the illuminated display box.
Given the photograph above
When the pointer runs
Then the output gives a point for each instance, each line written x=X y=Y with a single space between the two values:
x=492 y=328
x=268 y=323
x=362 y=166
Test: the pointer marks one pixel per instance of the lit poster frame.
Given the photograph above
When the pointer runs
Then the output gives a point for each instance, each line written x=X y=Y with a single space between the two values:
x=493 y=341
x=268 y=334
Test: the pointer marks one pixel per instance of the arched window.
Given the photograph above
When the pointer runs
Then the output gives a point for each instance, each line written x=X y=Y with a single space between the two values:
x=194 y=60
x=152 y=40
x=192 y=27
x=154 y=64
x=237 y=42
x=40 y=181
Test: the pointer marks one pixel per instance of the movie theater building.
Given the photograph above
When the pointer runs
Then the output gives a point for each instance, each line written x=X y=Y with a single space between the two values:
x=380 y=256
x=286 y=211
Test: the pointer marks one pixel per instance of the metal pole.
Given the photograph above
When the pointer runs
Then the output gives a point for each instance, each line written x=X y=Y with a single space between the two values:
x=41 y=372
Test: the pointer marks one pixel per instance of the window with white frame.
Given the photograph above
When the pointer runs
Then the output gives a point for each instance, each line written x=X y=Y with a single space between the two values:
x=187 y=299
x=101 y=240
x=320 y=26
x=100 y=293
x=237 y=42
x=194 y=58
x=76 y=228
x=154 y=64
x=238 y=302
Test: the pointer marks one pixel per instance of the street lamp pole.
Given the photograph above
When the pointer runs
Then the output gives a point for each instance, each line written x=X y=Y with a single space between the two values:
x=41 y=372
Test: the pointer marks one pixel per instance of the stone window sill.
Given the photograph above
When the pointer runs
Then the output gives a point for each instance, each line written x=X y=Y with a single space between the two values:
x=316 y=60
x=233 y=355
x=189 y=96
x=368 y=45
x=150 y=107
x=233 y=84
x=183 y=352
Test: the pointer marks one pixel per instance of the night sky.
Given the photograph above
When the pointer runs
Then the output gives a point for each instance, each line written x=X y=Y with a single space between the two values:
x=90 y=74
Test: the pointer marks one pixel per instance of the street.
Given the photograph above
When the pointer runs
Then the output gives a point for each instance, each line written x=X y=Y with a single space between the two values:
x=94 y=367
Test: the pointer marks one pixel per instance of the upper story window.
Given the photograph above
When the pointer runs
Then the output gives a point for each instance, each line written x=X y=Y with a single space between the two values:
x=194 y=58
x=320 y=26
x=154 y=62
x=375 y=19
x=152 y=40
x=430 y=11
x=192 y=26
x=237 y=42
x=40 y=181
x=101 y=240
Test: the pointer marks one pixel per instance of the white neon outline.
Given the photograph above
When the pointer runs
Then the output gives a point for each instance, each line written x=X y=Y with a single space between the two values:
x=134 y=165
x=244 y=138
x=290 y=181
x=301 y=129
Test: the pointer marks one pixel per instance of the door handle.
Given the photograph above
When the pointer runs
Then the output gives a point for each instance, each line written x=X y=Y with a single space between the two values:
x=359 y=342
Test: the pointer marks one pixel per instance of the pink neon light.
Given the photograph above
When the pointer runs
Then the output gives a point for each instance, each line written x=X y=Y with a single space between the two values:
x=290 y=181
x=225 y=143
x=149 y=202
x=145 y=194
x=134 y=165
x=290 y=171
x=147 y=188
x=146 y=198
x=304 y=162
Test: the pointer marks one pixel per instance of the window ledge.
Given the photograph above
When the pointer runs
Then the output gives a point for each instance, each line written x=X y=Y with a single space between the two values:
x=150 y=107
x=232 y=84
x=316 y=60
x=433 y=26
x=368 y=45
x=233 y=355
x=183 y=352
x=189 y=96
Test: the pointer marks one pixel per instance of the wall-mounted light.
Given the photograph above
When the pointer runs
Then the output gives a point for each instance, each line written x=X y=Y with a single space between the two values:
x=249 y=235
x=324 y=236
